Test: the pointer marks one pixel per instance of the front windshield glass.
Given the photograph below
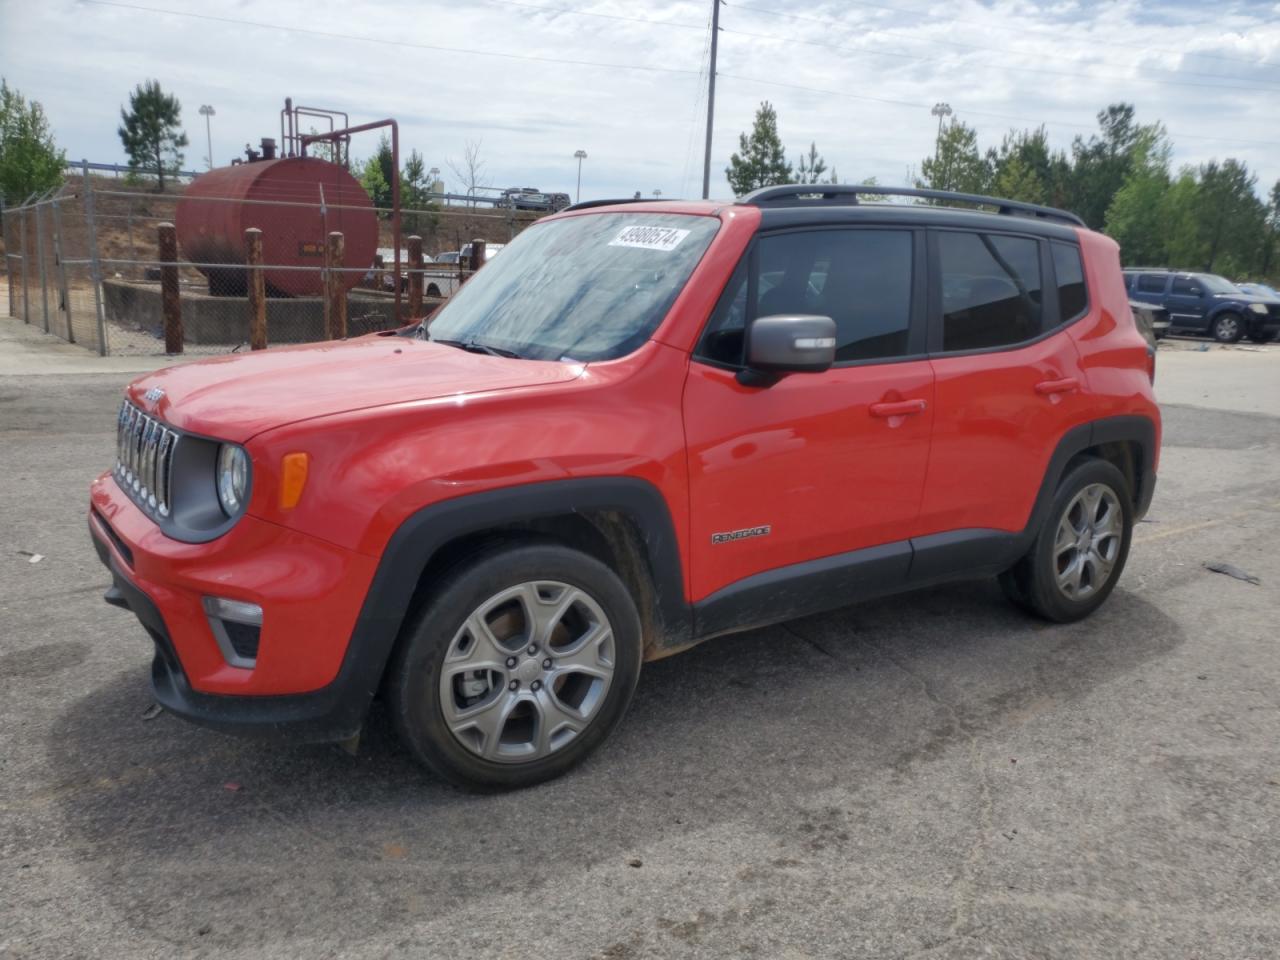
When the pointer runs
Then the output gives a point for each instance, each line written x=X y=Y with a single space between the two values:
x=591 y=287
x=1215 y=284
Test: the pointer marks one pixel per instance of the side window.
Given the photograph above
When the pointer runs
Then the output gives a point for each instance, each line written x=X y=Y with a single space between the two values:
x=1073 y=296
x=1186 y=286
x=1151 y=283
x=860 y=278
x=991 y=289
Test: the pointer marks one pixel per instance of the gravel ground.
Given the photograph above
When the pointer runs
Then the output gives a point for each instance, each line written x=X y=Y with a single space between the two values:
x=932 y=775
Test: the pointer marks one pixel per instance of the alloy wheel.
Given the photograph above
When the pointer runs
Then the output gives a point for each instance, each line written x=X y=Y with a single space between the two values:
x=1087 y=542
x=527 y=671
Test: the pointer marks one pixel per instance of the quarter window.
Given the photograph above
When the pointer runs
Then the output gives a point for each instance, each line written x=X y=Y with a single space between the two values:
x=1073 y=297
x=1151 y=283
x=860 y=278
x=991 y=289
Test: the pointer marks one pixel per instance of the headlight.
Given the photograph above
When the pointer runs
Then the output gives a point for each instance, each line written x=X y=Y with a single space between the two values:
x=1259 y=308
x=233 y=478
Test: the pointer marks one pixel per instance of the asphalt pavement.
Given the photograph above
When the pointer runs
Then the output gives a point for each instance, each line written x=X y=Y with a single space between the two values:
x=934 y=775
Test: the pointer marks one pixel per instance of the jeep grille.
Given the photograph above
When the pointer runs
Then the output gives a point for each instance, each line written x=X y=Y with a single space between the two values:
x=144 y=458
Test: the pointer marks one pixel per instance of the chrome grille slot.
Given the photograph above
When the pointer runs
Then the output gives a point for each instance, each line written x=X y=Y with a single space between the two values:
x=145 y=449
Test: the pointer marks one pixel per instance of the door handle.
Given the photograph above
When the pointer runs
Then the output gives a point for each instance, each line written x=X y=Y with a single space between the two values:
x=898 y=408
x=1066 y=385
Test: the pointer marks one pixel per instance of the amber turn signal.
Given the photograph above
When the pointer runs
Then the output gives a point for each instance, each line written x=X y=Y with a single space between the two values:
x=293 y=478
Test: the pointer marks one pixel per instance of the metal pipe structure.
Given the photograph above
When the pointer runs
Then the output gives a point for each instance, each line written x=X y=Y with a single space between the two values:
x=346 y=132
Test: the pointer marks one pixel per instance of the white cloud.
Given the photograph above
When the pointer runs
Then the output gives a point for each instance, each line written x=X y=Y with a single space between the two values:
x=995 y=62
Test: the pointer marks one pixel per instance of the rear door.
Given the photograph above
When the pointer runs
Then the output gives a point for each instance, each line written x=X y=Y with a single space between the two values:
x=1008 y=381
x=1149 y=288
x=817 y=464
x=1187 y=303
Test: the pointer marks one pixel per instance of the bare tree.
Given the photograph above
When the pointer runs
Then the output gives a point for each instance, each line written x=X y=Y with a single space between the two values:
x=470 y=169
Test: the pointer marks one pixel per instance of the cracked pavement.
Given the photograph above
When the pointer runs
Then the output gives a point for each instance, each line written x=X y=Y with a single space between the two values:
x=932 y=775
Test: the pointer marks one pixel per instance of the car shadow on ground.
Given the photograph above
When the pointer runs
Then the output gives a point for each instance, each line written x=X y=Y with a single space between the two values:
x=749 y=726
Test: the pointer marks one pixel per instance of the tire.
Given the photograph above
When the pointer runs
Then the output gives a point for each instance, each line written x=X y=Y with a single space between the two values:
x=1227 y=327
x=1042 y=581
x=433 y=291
x=473 y=727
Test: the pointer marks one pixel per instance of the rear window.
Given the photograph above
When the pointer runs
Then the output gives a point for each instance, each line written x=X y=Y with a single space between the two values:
x=1073 y=296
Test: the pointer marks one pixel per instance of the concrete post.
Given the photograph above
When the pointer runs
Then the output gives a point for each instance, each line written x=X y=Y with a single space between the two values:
x=95 y=263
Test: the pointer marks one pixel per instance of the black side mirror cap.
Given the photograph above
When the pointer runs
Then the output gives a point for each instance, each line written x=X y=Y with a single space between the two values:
x=788 y=343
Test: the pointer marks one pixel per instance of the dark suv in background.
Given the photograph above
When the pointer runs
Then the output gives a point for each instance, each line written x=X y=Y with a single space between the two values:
x=1205 y=303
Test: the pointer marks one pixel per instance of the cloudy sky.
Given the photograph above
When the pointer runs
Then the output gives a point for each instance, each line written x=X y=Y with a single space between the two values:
x=535 y=80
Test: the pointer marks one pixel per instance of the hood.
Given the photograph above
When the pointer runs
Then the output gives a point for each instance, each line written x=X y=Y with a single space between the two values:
x=237 y=396
x=1244 y=297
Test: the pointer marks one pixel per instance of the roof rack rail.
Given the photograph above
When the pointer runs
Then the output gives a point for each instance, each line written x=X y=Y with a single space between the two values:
x=801 y=194
x=588 y=204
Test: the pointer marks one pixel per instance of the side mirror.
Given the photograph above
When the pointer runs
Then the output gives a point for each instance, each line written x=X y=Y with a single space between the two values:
x=788 y=343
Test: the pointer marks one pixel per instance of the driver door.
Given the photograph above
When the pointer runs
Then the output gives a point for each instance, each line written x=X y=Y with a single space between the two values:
x=817 y=464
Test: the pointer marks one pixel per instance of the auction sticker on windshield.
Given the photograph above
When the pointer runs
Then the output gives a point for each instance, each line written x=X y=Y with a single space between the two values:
x=649 y=238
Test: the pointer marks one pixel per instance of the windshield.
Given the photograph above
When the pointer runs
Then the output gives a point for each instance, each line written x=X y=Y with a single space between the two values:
x=1216 y=284
x=591 y=287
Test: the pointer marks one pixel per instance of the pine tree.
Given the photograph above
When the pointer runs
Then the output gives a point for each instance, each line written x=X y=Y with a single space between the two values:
x=151 y=131
x=812 y=166
x=760 y=160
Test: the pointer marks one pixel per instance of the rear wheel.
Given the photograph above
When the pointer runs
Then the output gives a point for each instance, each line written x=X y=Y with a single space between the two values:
x=433 y=291
x=1078 y=555
x=522 y=665
x=1228 y=328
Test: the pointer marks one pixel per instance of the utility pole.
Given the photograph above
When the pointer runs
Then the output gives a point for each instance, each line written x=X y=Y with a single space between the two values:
x=711 y=99
x=579 y=155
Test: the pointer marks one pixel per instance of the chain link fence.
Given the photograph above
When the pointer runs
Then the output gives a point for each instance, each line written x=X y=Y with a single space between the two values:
x=86 y=263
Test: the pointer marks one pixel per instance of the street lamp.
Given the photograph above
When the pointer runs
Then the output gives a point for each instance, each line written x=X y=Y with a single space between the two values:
x=657 y=194
x=580 y=155
x=207 y=111
x=940 y=110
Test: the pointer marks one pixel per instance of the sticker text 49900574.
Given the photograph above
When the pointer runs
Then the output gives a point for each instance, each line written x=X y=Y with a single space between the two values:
x=649 y=238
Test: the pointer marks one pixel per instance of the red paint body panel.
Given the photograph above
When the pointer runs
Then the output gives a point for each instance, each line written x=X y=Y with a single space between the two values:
x=284 y=199
x=853 y=457
x=310 y=592
x=807 y=457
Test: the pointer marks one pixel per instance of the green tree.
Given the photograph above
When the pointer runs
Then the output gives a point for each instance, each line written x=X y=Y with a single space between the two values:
x=151 y=131
x=812 y=167
x=1101 y=163
x=376 y=175
x=413 y=195
x=30 y=161
x=1138 y=216
x=956 y=164
x=1230 y=218
x=1179 y=211
x=760 y=160
x=1271 y=243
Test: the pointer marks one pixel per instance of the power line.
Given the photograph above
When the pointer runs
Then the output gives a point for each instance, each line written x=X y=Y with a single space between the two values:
x=240 y=22
x=897 y=55
x=979 y=113
x=992 y=26
x=986 y=48
x=601 y=16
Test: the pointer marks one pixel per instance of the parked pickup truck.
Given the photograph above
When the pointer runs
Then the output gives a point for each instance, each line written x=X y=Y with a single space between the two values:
x=1206 y=304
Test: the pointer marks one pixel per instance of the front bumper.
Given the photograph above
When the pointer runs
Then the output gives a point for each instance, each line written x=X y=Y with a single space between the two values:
x=312 y=679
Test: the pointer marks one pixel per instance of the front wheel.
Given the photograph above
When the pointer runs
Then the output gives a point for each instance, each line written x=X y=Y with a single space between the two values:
x=1262 y=336
x=522 y=664
x=1227 y=328
x=1078 y=555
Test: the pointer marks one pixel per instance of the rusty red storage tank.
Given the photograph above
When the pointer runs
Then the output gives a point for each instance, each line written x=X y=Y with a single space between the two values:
x=295 y=202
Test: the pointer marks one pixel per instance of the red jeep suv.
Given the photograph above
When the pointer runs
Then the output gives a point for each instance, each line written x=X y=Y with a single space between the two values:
x=644 y=425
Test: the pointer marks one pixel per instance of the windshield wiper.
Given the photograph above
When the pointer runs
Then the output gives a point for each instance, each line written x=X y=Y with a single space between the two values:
x=473 y=346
